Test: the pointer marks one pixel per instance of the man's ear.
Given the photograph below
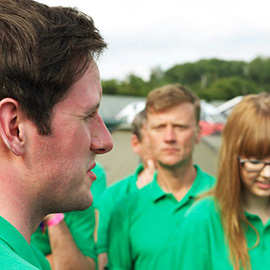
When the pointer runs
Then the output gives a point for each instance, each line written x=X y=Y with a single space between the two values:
x=10 y=126
x=135 y=143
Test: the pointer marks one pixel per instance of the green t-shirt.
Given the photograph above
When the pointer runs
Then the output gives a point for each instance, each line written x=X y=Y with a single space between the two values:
x=141 y=225
x=200 y=243
x=16 y=253
x=80 y=223
x=110 y=197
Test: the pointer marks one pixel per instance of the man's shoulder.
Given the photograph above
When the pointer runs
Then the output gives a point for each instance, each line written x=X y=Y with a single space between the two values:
x=123 y=186
x=204 y=177
x=203 y=209
x=203 y=174
x=9 y=259
x=135 y=201
x=204 y=218
x=139 y=194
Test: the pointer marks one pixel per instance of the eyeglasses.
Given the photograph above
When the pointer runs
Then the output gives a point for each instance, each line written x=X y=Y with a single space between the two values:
x=253 y=165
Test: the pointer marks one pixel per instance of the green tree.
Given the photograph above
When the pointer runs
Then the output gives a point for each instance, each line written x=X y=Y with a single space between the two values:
x=185 y=74
x=133 y=85
x=227 y=88
x=259 y=70
x=110 y=87
x=208 y=78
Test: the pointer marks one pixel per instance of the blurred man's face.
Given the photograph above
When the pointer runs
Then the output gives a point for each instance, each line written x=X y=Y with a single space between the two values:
x=173 y=134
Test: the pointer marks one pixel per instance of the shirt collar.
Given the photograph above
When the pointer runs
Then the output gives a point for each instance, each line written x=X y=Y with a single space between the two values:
x=138 y=170
x=197 y=186
x=254 y=218
x=132 y=186
x=156 y=191
x=14 y=239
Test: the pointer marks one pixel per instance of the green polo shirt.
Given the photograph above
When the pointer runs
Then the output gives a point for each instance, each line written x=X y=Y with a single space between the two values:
x=141 y=225
x=200 y=243
x=110 y=197
x=16 y=253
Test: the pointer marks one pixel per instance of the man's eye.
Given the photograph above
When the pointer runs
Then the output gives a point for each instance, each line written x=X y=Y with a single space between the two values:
x=158 y=127
x=93 y=114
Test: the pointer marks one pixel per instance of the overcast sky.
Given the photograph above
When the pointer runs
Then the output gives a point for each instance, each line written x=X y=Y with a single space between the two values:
x=143 y=34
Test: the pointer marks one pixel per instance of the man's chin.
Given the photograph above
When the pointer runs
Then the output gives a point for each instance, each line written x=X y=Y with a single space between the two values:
x=172 y=164
x=87 y=203
x=83 y=203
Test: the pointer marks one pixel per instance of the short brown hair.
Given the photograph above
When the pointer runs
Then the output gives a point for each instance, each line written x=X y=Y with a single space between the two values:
x=170 y=95
x=43 y=52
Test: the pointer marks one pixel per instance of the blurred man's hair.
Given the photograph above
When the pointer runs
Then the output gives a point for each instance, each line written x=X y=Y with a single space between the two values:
x=171 y=95
x=137 y=124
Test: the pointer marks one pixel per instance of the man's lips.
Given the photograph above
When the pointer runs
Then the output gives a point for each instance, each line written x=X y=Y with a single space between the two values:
x=92 y=166
x=170 y=149
x=90 y=173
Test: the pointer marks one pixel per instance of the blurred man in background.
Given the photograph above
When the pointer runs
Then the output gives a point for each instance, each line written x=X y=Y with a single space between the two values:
x=139 y=231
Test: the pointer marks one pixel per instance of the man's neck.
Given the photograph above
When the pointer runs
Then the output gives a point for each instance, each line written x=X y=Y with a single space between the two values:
x=19 y=212
x=177 y=180
x=20 y=206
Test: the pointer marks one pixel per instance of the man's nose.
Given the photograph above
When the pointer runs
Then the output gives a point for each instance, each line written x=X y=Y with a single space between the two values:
x=101 y=138
x=169 y=134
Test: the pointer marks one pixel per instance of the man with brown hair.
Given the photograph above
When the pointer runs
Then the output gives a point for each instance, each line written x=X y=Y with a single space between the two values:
x=50 y=128
x=139 y=233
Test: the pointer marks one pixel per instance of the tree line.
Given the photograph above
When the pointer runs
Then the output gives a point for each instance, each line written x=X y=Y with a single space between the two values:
x=208 y=78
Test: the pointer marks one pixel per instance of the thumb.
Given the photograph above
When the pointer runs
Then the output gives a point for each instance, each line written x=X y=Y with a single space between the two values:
x=150 y=165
